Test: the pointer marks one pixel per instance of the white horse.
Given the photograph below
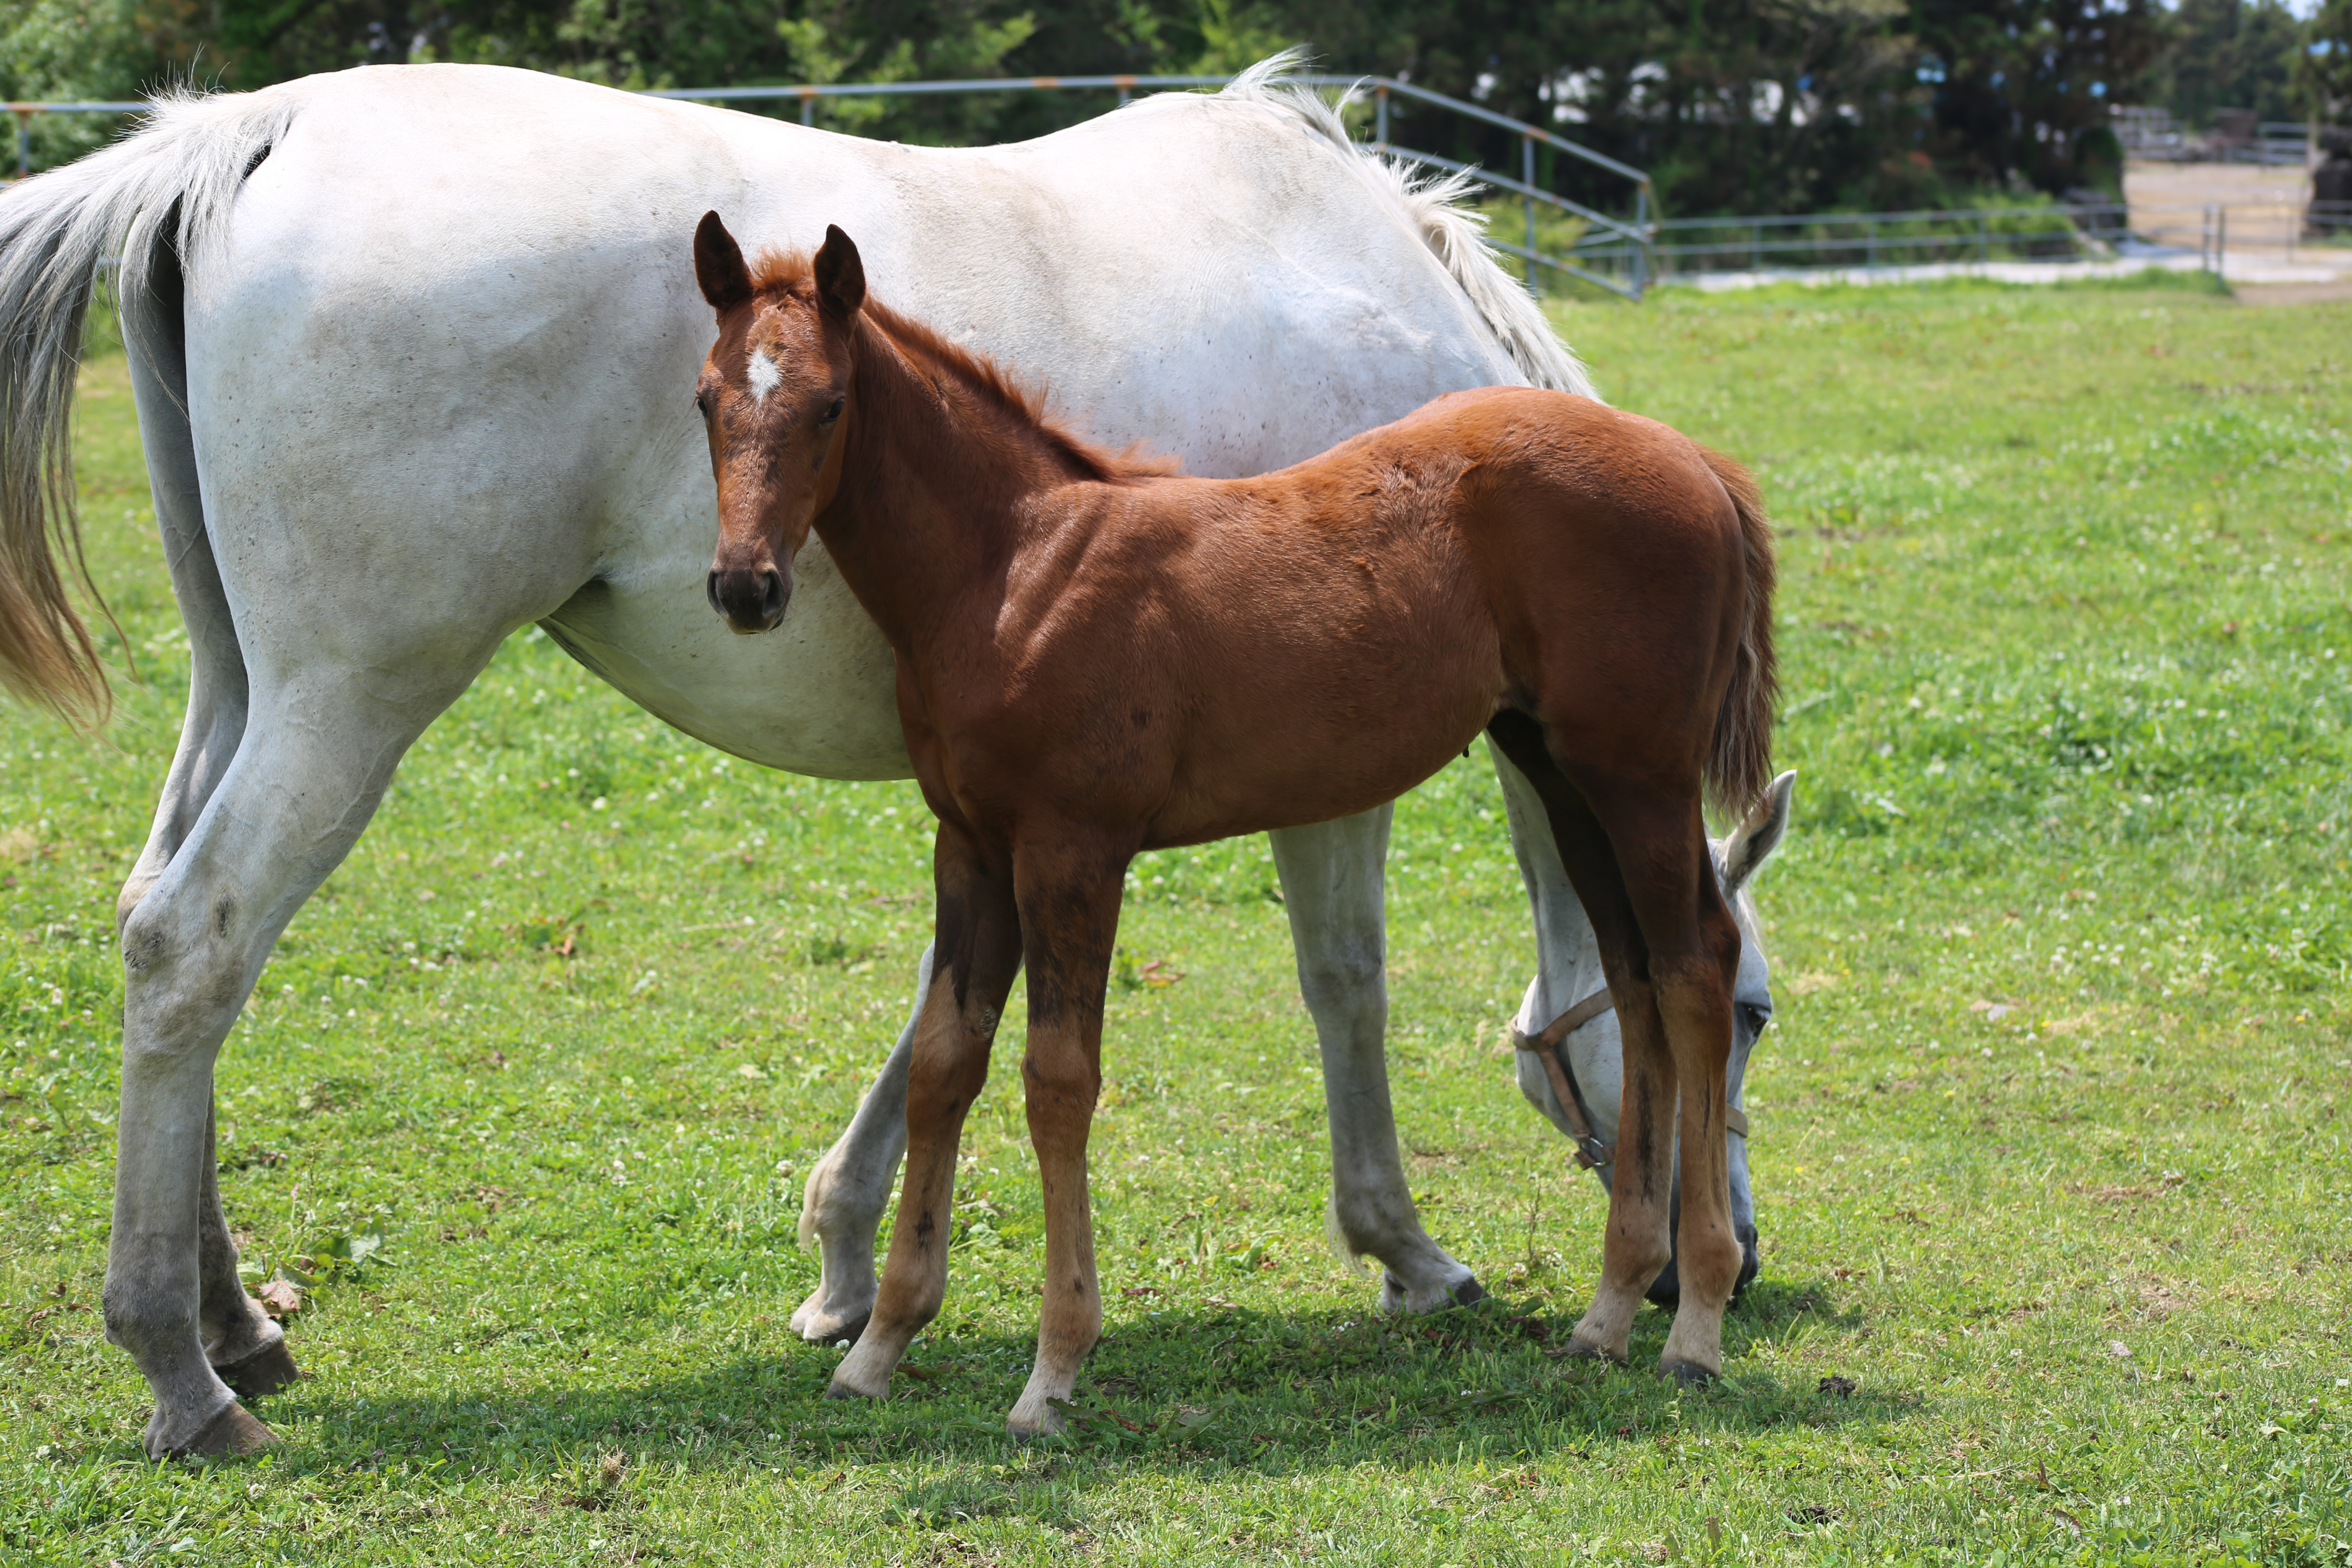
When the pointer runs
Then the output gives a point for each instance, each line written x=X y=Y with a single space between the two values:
x=409 y=346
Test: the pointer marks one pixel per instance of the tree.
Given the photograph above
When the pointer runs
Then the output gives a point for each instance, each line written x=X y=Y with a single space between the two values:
x=2228 y=53
x=2021 y=88
x=2322 y=77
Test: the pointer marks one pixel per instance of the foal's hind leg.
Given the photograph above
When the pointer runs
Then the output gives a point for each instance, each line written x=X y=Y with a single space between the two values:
x=1670 y=948
x=976 y=952
x=1685 y=947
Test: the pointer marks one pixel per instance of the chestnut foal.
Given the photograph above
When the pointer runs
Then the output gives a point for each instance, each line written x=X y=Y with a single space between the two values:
x=1095 y=657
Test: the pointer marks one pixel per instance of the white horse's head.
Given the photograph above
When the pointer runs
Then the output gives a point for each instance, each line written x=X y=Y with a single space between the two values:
x=1596 y=1050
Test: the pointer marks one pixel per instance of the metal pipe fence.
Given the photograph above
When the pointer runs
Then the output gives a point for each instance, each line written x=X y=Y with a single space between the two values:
x=2056 y=234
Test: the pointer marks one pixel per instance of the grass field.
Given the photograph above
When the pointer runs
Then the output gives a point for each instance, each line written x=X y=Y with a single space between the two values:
x=2051 y=1138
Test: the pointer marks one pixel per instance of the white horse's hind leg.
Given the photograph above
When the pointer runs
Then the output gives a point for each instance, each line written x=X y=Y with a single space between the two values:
x=244 y=1346
x=841 y=1209
x=310 y=767
x=1331 y=887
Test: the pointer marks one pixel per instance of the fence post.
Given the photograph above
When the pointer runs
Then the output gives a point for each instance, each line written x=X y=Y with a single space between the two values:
x=23 y=143
x=2221 y=242
x=1873 y=242
x=1984 y=239
x=1641 y=259
x=808 y=107
x=1528 y=178
x=1381 y=118
x=1126 y=85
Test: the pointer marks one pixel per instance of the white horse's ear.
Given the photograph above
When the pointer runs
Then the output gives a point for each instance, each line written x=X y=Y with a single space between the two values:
x=1752 y=842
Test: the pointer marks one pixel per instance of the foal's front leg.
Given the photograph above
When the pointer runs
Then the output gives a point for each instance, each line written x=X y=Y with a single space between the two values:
x=1069 y=890
x=976 y=952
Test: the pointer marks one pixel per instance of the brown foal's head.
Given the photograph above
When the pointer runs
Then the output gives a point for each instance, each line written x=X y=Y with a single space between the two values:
x=774 y=394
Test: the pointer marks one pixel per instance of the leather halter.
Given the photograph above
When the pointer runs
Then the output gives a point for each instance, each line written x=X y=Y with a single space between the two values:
x=1550 y=1049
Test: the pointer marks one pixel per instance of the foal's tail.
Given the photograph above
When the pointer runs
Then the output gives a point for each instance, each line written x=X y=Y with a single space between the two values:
x=161 y=193
x=1739 y=758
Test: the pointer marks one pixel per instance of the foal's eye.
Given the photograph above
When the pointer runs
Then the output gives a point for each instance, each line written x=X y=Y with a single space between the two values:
x=702 y=403
x=1755 y=1017
x=833 y=412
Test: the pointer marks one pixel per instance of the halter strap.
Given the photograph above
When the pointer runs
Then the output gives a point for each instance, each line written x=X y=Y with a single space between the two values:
x=1547 y=1047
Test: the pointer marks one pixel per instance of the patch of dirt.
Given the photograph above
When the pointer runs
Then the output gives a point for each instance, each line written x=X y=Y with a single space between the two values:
x=2294 y=293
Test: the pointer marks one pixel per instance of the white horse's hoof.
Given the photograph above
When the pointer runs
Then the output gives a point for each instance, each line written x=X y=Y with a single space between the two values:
x=265 y=1372
x=231 y=1431
x=822 y=1322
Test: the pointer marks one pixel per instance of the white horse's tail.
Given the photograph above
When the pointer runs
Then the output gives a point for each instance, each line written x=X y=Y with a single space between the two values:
x=1432 y=205
x=169 y=183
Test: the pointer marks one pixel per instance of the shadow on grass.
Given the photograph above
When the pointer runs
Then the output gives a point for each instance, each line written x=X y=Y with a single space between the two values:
x=1183 y=1391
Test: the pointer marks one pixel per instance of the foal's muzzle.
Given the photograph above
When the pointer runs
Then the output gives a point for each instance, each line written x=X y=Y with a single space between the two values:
x=749 y=602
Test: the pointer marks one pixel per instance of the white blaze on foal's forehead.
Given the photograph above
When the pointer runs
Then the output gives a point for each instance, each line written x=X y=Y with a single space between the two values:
x=762 y=374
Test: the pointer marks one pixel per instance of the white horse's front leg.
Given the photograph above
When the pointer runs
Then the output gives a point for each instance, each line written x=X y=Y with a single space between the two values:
x=840 y=1209
x=1331 y=881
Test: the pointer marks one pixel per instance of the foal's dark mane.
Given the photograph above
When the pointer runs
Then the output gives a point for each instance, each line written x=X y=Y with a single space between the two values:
x=793 y=272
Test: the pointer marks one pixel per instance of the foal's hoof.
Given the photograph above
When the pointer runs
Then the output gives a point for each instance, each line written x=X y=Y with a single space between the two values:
x=1689 y=1374
x=1027 y=1425
x=265 y=1371
x=838 y=1389
x=1585 y=1350
x=234 y=1431
x=1466 y=1292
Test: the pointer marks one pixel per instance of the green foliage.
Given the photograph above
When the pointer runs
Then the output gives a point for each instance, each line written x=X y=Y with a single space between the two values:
x=2023 y=86
x=2229 y=54
x=2323 y=66
x=2061 y=1064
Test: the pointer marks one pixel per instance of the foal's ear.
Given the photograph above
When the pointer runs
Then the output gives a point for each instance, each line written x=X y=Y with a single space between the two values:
x=718 y=264
x=840 y=275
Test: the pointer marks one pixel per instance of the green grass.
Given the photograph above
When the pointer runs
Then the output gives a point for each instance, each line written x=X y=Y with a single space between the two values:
x=2050 y=1151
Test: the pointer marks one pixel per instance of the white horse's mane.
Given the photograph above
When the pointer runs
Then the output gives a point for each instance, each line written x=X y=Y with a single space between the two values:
x=1432 y=205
